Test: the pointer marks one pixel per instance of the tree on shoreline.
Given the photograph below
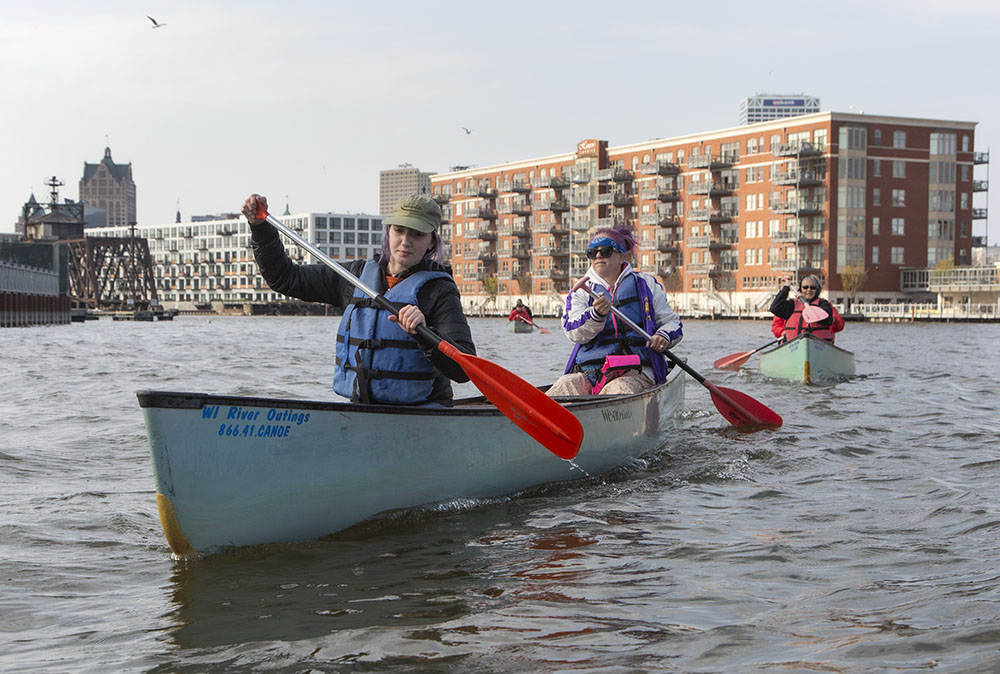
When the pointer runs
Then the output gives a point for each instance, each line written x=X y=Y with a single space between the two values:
x=853 y=278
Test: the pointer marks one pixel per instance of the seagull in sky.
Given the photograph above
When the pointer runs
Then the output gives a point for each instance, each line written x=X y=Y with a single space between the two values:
x=155 y=24
x=467 y=130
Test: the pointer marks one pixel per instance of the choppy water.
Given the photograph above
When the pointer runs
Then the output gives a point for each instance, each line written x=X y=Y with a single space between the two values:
x=860 y=537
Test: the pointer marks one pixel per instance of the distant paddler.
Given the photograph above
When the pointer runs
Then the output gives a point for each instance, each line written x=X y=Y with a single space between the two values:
x=808 y=312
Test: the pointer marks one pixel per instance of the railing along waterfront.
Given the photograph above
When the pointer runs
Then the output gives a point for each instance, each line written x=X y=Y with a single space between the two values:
x=905 y=311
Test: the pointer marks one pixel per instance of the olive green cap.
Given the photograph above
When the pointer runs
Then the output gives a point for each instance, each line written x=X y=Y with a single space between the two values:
x=418 y=212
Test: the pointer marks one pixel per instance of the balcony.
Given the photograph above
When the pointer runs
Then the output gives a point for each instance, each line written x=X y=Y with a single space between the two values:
x=520 y=208
x=800 y=207
x=800 y=149
x=552 y=182
x=549 y=228
x=980 y=157
x=487 y=192
x=621 y=200
x=659 y=167
x=615 y=174
x=979 y=213
x=713 y=162
x=551 y=272
x=669 y=194
x=510 y=273
x=722 y=268
x=580 y=200
x=480 y=213
x=723 y=241
x=795 y=235
x=555 y=205
x=712 y=216
x=796 y=265
x=801 y=178
x=520 y=252
x=605 y=198
x=698 y=241
x=441 y=198
x=712 y=188
x=486 y=252
x=980 y=185
x=561 y=250
x=666 y=244
x=580 y=175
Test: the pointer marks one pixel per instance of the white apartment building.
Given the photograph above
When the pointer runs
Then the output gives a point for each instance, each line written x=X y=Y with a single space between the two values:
x=205 y=263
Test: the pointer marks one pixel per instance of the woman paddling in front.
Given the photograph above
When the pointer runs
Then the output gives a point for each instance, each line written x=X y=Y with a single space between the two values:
x=609 y=357
x=789 y=321
x=379 y=359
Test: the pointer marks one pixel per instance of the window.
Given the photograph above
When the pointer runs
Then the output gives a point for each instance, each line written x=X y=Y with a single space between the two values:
x=875 y=226
x=877 y=136
x=899 y=139
x=964 y=198
x=898 y=169
x=965 y=143
x=897 y=255
x=876 y=196
x=899 y=197
x=898 y=226
x=874 y=254
x=876 y=167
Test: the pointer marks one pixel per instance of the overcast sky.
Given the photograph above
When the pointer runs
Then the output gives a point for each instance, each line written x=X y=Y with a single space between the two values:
x=312 y=99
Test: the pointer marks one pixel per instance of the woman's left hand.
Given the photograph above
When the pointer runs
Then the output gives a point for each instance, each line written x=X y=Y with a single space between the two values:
x=409 y=318
x=658 y=344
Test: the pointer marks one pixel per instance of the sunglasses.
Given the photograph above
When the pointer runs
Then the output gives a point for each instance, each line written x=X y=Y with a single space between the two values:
x=809 y=288
x=603 y=251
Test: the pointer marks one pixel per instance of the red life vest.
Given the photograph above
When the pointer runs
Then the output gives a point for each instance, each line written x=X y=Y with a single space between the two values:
x=795 y=325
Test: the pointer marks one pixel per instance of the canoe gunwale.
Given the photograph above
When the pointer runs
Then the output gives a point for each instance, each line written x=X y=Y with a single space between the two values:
x=472 y=406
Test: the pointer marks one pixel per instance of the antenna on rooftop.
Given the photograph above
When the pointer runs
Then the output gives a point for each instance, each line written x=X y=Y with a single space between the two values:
x=54 y=183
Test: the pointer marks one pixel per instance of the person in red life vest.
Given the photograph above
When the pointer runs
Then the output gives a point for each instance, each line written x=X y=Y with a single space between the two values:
x=520 y=313
x=788 y=322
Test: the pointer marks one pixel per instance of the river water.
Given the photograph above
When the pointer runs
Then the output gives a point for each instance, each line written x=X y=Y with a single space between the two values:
x=862 y=536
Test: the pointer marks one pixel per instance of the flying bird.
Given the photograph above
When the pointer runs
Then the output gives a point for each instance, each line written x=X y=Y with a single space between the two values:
x=155 y=24
x=467 y=131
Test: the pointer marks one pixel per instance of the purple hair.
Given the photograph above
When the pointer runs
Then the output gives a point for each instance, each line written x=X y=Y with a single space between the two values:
x=620 y=234
x=434 y=254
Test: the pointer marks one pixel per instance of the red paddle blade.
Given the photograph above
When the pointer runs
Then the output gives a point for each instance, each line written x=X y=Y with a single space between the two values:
x=739 y=409
x=814 y=314
x=535 y=413
x=733 y=361
x=543 y=330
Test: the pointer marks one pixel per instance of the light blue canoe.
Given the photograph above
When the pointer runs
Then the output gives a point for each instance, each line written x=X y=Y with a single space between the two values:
x=520 y=327
x=232 y=471
x=807 y=359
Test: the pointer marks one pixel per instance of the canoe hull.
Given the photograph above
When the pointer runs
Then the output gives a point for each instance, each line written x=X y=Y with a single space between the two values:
x=233 y=471
x=519 y=327
x=807 y=359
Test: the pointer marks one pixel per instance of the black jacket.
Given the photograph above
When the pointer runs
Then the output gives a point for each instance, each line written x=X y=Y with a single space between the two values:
x=438 y=299
x=783 y=306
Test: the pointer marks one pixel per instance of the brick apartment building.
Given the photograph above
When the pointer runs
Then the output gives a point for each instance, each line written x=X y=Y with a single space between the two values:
x=722 y=215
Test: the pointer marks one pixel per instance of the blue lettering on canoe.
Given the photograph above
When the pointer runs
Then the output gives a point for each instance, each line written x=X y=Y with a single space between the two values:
x=240 y=414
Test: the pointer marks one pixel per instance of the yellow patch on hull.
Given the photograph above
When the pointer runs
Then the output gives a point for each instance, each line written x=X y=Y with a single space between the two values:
x=176 y=539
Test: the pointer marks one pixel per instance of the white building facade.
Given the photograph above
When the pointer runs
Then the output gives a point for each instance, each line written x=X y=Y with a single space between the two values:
x=209 y=263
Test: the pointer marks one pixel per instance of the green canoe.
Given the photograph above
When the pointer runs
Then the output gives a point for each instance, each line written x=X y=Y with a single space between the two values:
x=807 y=359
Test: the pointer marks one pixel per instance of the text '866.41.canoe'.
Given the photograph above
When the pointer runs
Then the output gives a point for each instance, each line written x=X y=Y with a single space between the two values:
x=232 y=471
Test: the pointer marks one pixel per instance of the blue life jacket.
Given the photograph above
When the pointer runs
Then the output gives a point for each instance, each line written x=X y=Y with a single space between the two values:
x=377 y=361
x=617 y=338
